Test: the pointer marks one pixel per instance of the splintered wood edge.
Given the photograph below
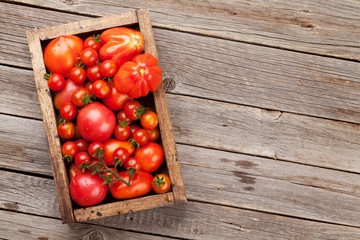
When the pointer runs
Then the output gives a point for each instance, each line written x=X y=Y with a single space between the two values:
x=50 y=126
x=122 y=207
x=162 y=110
x=88 y=25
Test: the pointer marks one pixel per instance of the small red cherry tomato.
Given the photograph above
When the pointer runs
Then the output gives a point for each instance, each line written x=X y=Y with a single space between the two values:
x=69 y=150
x=76 y=130
x=78 y=75
x=131 y=108
x=88 y=86
x=108 y=68
x=121 y=117
x=66 y=130
x=161 y=183
x=141 y=136
x=149 y=120
x=68 y=111
x=133 y=128
x=88 y=56
x=56 y=81
x=80 y=97
x=93 y=42
x=133 y=162
x=93 y=148
x=82 y=157
x=93 y=73
x=121 y=154
x=100 y=88
x=122 y=131
x=82 y=145
x=153 y=134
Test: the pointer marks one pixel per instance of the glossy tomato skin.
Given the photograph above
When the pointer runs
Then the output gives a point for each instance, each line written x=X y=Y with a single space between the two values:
x=115 y=100
x=122 y=132
x=121 y=117
x=111 y=145
x=77 y=75
x=130 y=109
x=133 y=162
x=151 y=156
x=153 y=134
x=93 y=148
x=108 y=68
x=121 y=153
x=161 y=183
x=61 y=54
x=149 y=120
x=65 y=94
x=73 y=171
x=140 y=185
x=69 y=149
x=68 y=111
x=141 y=136
x=88 y=56
x=86 y=189
x=82 y=145
x=78 y=96
x=100 y=88
x=82 y=157
x=66 y=130
x=93 y=73
x=96 y=122
x=56 y=82
x=92 y=42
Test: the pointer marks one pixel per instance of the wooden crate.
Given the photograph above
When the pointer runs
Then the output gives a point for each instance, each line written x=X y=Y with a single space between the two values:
x=36 y=38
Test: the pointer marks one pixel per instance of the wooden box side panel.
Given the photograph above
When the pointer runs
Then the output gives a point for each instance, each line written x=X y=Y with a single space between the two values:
x=162 y=110
x=50 y=125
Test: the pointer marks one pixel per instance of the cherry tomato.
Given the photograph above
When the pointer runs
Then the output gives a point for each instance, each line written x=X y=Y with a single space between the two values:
x=73 y=171
x=68 y=111
x=93 y=148
x=82 y=145
x=161 y=183
x=66 y=130
x=76 y=132
x=149 y=120
x=122 y=131
x=121 y=153
x=108 y=68
x=82 y=157
x=88 y=56
x=115 y=101
x=153 y=134
x=133 y=128
x=93 y=73
x=100 y=88
x=141 y=136
x=56 y=81
x=87 y=190
x=77 y=75
x=111 y=145
x=69 y=150
x=96 y=122
x=130 y=109
x=65 y=94
x=88 y=86
x=80 y=97
x=133 y=162
x=151 y=156
x=93 y=42
x=121 y=117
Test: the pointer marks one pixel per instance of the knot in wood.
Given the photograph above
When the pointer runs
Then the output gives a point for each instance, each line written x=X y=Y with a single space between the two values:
x=96 y=235
x=169 y=84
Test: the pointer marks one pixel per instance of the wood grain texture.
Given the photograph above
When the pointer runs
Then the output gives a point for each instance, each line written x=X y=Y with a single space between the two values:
x=16 y=226
x=190 y=220
x=298 y=25
x=196 y=65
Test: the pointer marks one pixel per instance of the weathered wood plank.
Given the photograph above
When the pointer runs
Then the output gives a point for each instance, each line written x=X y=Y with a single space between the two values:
x=19 y=226
x=286 y=81
x=299 y=25
x=190 y=220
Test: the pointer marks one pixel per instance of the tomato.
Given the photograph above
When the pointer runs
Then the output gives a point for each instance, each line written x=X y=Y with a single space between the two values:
x=120 y=44
x=133 y=128
x=65 y=94
x=151 y=156
x=122 y=131
x=108 y=68
x=68 y=111
x=88 y=56
x=56 y=81
x=93 y=148
x=86 y=189
x=77 y=75
x=100 y=88
x=66 y=130
x=121 y=117
x=76 y=132
x=73 y=171
x=115 y=100
x=111 y=145
x=81 y=97
x=82 y=145
x=153 y=134
x=140 y=185
x=69 y=150
x=161 y=183
x=139 y=76
x=96 y=122
x=88 y=86
x=121 y=153
x=93 y=42
x=141 y=136
x=130 y=109
x=133 y=165
x=61 y=54
x=93 y=73
x=149 y=120
x=82 y=157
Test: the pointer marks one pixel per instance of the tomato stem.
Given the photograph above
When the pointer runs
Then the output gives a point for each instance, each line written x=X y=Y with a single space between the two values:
x=97 y=38
x=47 y=76
x=158 y=181
x=141 y=111
x=134 y=143
x=123 y=123
x=142 y=71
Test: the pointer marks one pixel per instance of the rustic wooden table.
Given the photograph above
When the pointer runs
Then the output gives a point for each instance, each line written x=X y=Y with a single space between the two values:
x=264 y=97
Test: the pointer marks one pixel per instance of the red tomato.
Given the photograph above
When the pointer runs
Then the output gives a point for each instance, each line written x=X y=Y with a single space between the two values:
x=149 y=120
x=88 y=56
x=133 y=128
x=96 y=122
x=122 y=131
x=121 y=117
x=86 y=189
x=138 y=77
x=73 y=171
x=76 y=132
x=82 y=157
x=68 y=111
x=93 y=42
x=141 y=136
x=81 y=97
x=108 y=68
x=88 y=86
x=151 y=156
x=153 y=134
x=56 y=81
x=82 y=145
x=120 y=44
x=93 y=148
x=134 y=163
x=100 y=88
x=140 y=185
x=121 y=153
x=65 y=94
x=93 y=73
x=61 y=54
x=130 y=109
x=161 y=183
x=69 y=150
x=115 y=101
x=66 y=130
x=77 y=75
x=111 y=145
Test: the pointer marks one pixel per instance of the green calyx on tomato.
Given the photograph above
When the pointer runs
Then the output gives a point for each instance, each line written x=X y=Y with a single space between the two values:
x=87 y=99
x=67 y=158
x=159 y=181
x=123 y=123
x=63 y=121
x=99 y=153
x=134 y=143
x=141 y=111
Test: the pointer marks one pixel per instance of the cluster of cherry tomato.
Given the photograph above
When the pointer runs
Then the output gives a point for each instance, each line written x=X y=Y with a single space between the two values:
x=108 y=135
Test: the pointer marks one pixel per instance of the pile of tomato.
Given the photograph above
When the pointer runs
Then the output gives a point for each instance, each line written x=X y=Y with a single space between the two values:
x=109 y=138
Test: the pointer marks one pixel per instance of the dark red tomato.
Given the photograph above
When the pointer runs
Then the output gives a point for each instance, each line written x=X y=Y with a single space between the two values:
x=77 y=75
x=141 y=136
x=121 y=117
x=88 y=86
x=82 y=145
x=93 y=73
x=82 y=157
x=149 y=120
x=150 y=156
x=93 y=148
x=134 y=163
x=93 y=42
x=131 y=108
x=69 y=150
x=77 y=133
x=140 y=185
x=133 y=128
x=161 y=183
x=68 y=111
x=61 y=54
x=88 y=56
x=115 y=101
x=66 y=130
x=65 y=94
x=153 y=134
x=86 y=189
x=122 y=131
x=121 y=153
x=73 y=171
x=100 y=88
x=56 y=81
x=108 y=68
x=96 y=122
x=80 y=97
x=111 y=145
